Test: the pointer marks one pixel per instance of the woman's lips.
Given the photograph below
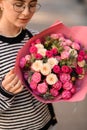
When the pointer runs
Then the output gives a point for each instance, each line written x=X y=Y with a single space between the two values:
x=24 y=20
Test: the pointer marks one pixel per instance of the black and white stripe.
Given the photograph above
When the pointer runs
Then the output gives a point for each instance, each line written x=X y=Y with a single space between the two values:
x=22 y=112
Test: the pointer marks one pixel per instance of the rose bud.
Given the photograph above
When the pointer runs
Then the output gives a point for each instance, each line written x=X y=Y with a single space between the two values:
x=67 y=85
x=66 y=94
x=73 y=90
x=42 y=88
x=33 y=85
x=22 y=62
x=57 y=85
x=65 y=69
x=54 y=92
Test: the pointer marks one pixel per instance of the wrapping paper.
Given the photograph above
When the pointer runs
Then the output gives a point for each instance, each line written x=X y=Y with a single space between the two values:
x=78 y=33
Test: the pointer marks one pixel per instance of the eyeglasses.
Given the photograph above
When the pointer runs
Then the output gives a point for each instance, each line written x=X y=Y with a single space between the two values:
x=32 y=6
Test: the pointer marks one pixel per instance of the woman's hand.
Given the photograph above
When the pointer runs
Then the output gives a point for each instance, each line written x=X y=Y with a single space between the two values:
x=11 y=83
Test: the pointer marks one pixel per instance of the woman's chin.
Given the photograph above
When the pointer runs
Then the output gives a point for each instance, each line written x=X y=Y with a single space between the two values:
x=23 y=25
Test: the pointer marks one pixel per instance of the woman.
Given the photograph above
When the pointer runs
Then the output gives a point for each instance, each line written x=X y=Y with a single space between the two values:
x=19 y=110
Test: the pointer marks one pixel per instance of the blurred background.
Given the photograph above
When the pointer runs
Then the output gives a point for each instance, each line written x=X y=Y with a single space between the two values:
x=71 y=116
x=71 y=12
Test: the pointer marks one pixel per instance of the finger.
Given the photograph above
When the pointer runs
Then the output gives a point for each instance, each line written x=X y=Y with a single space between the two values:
x=14 y=81
x=7 y=87
x=8 y=79
x=17 y=86
x=14 y=91
x=18 y=90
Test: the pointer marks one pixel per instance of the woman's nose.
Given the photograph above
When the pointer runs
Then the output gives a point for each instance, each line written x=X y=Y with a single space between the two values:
x=26 y=11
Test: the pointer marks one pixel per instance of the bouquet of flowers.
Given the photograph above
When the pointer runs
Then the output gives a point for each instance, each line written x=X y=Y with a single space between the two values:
x=53 y=65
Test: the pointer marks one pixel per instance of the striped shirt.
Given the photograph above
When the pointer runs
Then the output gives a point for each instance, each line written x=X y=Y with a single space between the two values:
x=23 y=111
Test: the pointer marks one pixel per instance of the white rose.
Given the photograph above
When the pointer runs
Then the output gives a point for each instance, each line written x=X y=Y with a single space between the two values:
x=51 y=79
x=81 y=63
x=81 y=76
x=42 y=51
x=39 y=46
x=73 y=52
x=52 y=61
x=45 y=69
x=37 y=65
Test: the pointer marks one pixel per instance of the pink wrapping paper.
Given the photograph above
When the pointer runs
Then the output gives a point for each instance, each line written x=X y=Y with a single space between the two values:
x=77 y=33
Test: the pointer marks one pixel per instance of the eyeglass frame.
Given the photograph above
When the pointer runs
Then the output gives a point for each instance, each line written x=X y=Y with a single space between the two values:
x=24 y=6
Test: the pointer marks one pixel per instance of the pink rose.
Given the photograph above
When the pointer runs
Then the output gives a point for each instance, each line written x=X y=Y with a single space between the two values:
x=27 y=57
x=65 y=69
x=54 y=92
x=36 y=77
x=33 y=49
x=56 y=69
x=58 y=58
x=22 y=62
x=38 y=56
x=66 y=94
x=67 y=48
x=75 y=46
x=73 y=89
x=63 y=43
x=49 y=54
x=33 y=85
x=80 y=57
x=38 y=41
x=79 y=70
x=42 y=88
x=57 y=85
x=54 y=51
x=82 y=53
x=64 y=77
x=61 y=38
x=69 y=42
x=54 y=36
x=65 y=55
x=67 y=85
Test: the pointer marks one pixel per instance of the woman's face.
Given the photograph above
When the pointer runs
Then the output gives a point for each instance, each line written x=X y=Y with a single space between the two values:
x=18 y=12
